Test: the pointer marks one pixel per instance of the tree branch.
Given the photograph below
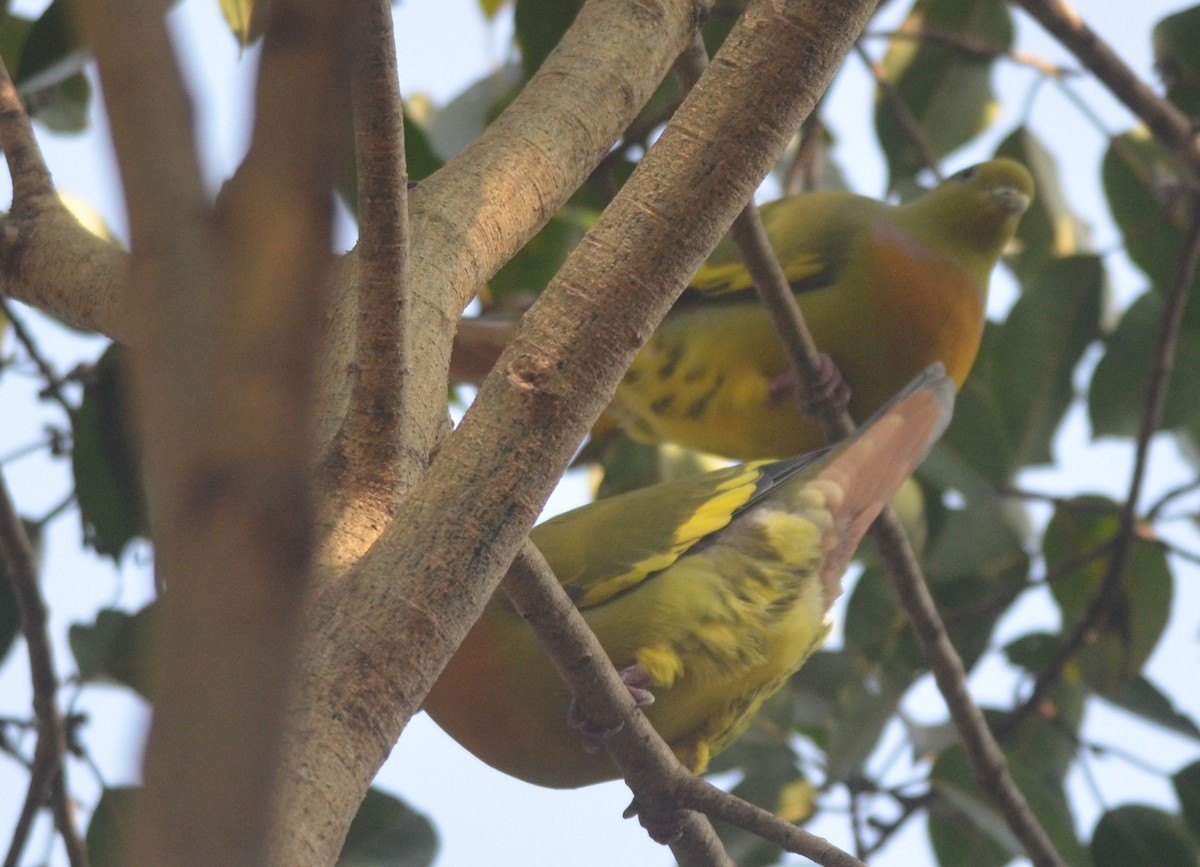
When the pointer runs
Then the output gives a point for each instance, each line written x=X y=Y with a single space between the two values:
x=475 y=213
x=54 y=385
x=648 y=765
x=48 y=771
x=481 y=208
x=703 y=796
x=659 y=782
x=901 y=113
x=408 y=602
x=226 y=307
x=30 y=177
x=984 y=754
x=368 y=452
x=1169 y=125
x=1166 y=345
x=47 y=258
x=976 y=48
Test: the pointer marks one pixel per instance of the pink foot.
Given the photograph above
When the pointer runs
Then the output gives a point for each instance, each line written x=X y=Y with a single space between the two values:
x=830 y=391
x=637 y=682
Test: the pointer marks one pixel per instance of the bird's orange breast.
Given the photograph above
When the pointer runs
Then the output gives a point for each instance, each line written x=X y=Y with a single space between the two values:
x=703 y=379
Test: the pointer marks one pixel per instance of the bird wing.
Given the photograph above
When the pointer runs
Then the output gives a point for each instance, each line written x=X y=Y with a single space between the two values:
x=653 y=527
x=811 y=235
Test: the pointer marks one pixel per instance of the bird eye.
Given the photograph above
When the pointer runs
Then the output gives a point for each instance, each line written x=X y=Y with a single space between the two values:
x=966 y=174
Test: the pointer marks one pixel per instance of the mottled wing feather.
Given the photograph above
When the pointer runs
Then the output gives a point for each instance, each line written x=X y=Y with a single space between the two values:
x=654 y=527
x=811 y=247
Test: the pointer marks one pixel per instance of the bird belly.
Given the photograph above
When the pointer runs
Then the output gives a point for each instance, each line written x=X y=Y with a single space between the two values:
x=702 y=381
x=501 y=699
x=721 y=631
x=923 y=309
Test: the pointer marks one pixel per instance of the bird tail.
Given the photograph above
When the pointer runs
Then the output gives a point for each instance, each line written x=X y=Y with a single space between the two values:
x=863 y=472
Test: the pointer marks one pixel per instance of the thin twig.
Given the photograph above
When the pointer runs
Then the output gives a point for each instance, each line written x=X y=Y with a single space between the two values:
x=63 y=504
x=1168 y=124
x=373 y=431
x=901 y=113
x=1166 y=343
x=643 y=757
x=26 y=450
x=30 y=177
x=976 y=48
x=1181 y=553
x=702 y=796
x=856 y=826
x=1155 y=510
x=909 y=807
x=802 y=173
x=54 y=383
x=47 y=776
x=984 y=754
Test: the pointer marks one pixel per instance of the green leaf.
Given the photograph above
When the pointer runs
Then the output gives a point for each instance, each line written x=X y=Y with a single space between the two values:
x=110 y=831
x=1046 y=742
x=419 y=156
x=65 y=108
x=722 y=16
x=49 y=68
x=1139 y=834
x=1032 y=651
x=1141 y=697
x=770 y=778
x=14 y=33
x=947 y=90
x=10 y=614
x=464 y=118
x=526 y=274
x=1175 y=39
x=386 y=832
x=1039 y=346
x=1128 y=630
x=104 y=461
x=1050 y=229
x=238 y=14
x=1023 y=381
x=1148 y=191
x=978 y=433
x=975 y=562
x=966 y=828
x=844 y=699
x=491 y=7
x=116 y=648
x=53 y=52
x=629 y=465
x=540 y=25
x=864 y=710
x=1187 y=789
x=1117 y=392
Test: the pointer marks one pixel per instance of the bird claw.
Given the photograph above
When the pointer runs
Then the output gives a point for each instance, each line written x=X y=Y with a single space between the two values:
x=830 y=390
x=663 y=826
x=637 y=682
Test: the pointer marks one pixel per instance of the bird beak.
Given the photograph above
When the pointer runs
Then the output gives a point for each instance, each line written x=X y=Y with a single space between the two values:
x=1010 y=200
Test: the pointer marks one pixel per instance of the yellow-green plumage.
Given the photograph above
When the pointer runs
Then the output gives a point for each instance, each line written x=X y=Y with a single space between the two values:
x=886 y=291
x=715 y=586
